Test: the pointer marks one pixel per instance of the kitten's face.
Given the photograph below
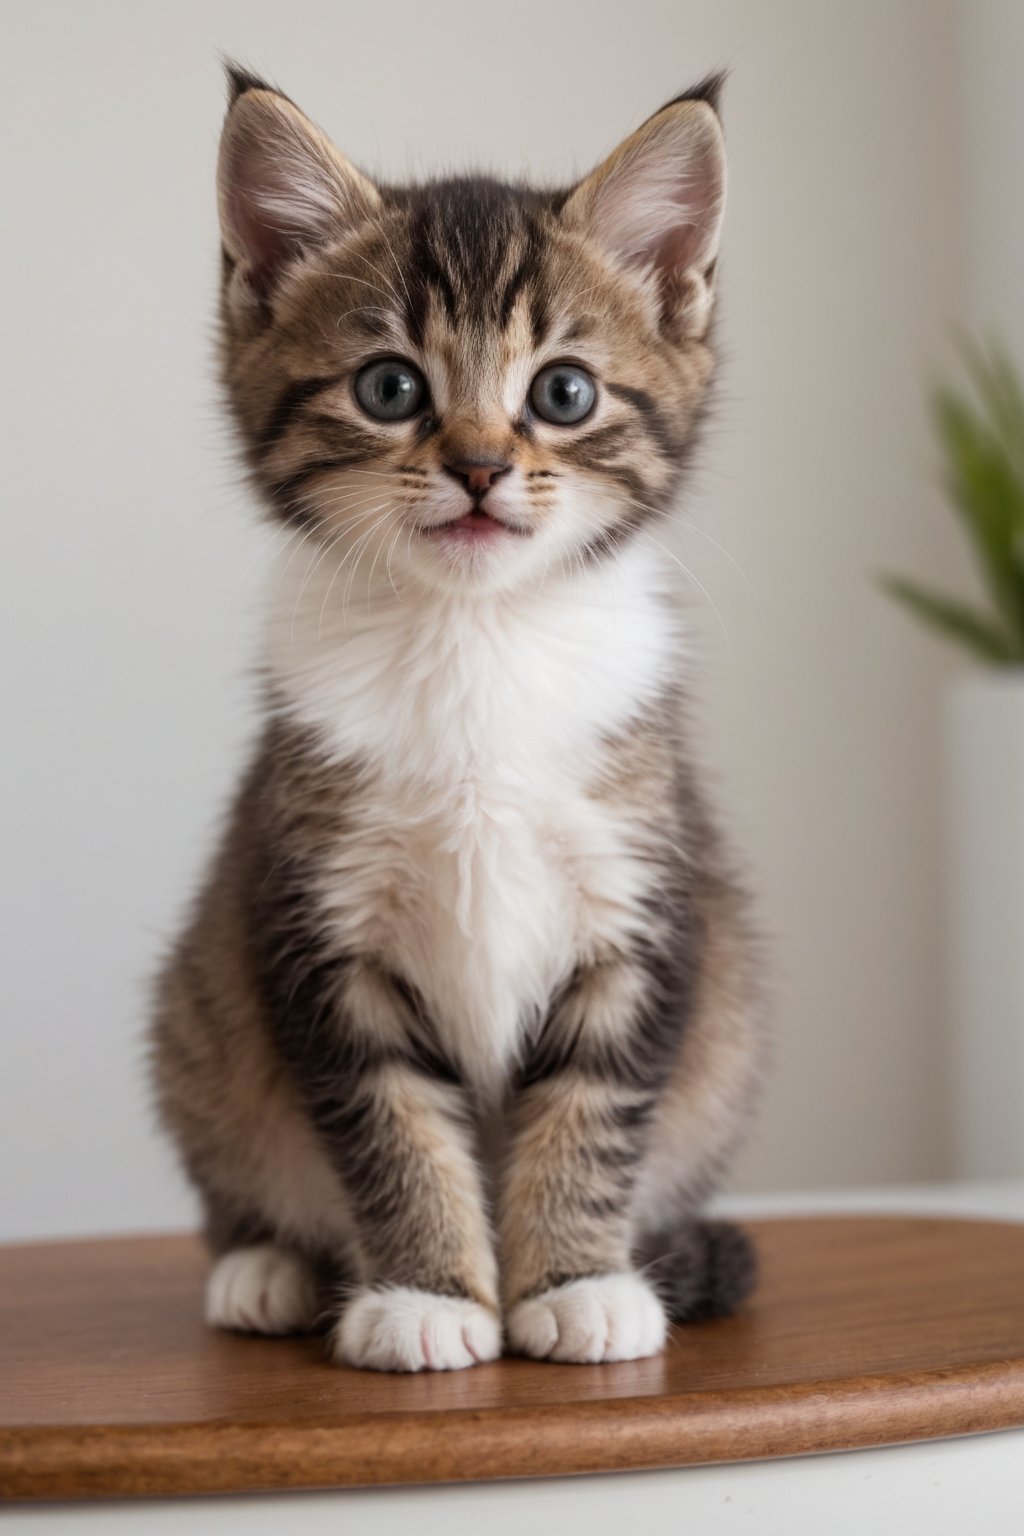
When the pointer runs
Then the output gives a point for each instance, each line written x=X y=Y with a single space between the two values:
x=467 y=385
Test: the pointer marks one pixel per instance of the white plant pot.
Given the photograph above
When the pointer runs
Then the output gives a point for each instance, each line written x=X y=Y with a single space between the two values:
x=985 y=878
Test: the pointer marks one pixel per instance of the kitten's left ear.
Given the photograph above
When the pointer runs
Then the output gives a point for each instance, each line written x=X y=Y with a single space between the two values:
x=283 y=189
x=656 y=205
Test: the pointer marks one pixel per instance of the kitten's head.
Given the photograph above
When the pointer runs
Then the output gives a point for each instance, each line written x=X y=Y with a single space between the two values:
x=467 y=383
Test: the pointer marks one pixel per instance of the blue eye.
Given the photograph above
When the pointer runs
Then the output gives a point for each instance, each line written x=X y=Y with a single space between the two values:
x=563 y=394
x=390 y=390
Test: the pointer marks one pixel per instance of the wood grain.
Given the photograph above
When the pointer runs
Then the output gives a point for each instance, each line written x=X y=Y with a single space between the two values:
x=864 y=1332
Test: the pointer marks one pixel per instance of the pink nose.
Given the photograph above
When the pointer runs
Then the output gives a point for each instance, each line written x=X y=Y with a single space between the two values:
x=477 y=478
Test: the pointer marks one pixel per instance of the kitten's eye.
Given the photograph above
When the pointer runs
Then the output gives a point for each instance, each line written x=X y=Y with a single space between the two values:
x=563 y=394
x=390 y=390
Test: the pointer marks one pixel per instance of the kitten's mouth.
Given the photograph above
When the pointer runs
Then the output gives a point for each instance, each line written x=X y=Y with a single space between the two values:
x=474 y=525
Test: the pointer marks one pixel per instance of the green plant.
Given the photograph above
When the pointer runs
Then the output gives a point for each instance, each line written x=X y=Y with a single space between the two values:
x=982 y=437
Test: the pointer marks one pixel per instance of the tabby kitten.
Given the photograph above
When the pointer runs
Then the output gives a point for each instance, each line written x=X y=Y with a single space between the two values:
x=465 y=1022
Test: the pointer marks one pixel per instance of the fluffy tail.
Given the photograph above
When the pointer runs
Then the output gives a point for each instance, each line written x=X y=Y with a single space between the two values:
x=700 y=1268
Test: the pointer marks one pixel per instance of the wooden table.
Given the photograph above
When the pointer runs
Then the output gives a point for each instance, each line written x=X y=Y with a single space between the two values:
x=865 y=1331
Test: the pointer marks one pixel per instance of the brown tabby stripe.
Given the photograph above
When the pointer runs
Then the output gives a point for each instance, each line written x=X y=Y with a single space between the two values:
x=652 y=418
x=289 y=403
x=289 y=495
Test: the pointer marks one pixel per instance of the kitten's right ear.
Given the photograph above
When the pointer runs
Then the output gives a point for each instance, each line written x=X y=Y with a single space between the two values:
x=282 y=187
x=656 y=204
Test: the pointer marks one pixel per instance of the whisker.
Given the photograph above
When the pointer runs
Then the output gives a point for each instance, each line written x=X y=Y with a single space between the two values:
x=378 y=225
x=348 y=554
x=691 y=526
x=360 y=547
x=383 y=275
x=361 y=309
x=307 y=534
x=373 y=567
x=350 y=277
x=332 y=543
x=695 y=579
x=307 y=578
x=280 y=533
x=387 y=563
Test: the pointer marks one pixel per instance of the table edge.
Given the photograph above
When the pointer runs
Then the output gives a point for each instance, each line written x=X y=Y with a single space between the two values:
x=614 y=1435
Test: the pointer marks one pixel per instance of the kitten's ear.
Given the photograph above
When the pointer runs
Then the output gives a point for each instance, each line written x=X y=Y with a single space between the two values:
x=657 y=202
x=282 y=187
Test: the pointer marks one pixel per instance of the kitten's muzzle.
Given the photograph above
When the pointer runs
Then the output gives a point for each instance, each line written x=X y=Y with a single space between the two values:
x=477 y=475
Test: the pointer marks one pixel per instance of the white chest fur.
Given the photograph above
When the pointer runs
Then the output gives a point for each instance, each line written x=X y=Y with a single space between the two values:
x=480 y=863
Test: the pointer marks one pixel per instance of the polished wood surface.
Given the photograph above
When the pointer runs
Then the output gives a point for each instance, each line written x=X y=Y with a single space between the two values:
x=865 y=1331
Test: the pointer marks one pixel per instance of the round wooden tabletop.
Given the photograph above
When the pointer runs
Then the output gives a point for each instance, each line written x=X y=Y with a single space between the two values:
x=864 y=1331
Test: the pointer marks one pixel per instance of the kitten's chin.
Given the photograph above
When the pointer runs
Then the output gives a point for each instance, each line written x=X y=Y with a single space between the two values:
x=473 y=557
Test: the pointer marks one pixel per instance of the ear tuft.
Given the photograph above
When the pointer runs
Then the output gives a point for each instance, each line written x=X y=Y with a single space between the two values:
x=656 y=205
x=709 y=90
x=240 y=80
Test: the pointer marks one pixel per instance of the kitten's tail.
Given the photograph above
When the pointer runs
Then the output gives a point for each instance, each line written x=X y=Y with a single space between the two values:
x=700 y=1268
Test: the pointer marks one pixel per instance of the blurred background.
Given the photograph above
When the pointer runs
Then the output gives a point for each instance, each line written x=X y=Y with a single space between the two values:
x=875 y=206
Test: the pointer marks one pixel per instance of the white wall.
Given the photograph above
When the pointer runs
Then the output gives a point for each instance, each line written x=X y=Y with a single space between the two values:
x=985 y=875
x=127 y=609
x=988 y=41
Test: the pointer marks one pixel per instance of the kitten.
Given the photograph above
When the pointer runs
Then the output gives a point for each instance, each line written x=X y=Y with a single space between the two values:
x=466 y=1019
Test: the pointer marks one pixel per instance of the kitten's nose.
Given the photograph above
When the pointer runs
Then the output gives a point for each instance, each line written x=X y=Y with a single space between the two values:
x=477 y=477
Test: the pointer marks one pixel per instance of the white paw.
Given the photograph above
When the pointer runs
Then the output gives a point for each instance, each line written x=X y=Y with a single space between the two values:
x=261 y=1290
x=607 y=1317
x=405 y=1330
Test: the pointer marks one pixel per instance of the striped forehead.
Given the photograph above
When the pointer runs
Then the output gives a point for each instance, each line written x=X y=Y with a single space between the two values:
x=486 y=286
x=473 y=249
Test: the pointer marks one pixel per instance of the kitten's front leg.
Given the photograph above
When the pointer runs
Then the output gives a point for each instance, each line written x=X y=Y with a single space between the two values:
x=393 y=1120
x=580 y=1118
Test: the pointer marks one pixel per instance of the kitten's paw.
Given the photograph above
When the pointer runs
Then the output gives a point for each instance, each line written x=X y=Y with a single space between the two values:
x=262 y=1289
x=606 y=1317
x=400 y=1329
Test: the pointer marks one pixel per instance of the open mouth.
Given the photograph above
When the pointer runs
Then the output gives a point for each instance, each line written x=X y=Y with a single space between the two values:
x=475 y=524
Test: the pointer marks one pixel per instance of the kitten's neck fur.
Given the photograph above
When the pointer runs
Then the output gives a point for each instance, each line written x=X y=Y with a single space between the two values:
x=478 y=730
x=431 y=685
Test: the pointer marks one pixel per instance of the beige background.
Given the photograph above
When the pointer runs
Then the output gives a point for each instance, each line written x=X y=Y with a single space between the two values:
x=873 y=148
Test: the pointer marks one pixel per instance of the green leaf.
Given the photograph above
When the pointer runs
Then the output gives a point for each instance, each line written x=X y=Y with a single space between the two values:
x=981 y=432
x=1002 y=393
x=958 y=621
x=987 y=491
